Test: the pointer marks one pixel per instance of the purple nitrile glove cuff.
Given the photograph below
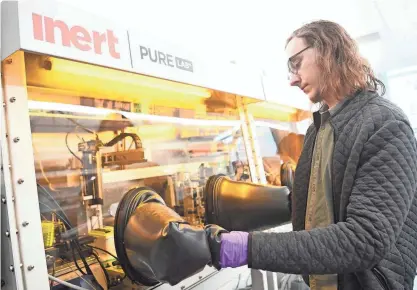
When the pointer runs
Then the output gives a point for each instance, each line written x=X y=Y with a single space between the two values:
x=234 y=249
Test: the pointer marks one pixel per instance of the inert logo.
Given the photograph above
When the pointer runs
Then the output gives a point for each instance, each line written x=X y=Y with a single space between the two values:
x=44 y=29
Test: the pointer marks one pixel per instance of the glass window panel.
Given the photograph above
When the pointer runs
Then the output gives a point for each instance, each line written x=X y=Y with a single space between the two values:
x=97 y=133
x=280 y=131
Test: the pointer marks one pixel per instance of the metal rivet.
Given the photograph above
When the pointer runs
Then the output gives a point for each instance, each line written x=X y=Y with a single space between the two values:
x=17 y=232
x=21 y=265
x=12 y=99
x=11 y=268
x=16 y=139
x=12 y=198
x=7 y=135
x=20 y=181
x=4 y=104
x=31 y=267
x=7 y=234
x=3 y=200
x=25 y=224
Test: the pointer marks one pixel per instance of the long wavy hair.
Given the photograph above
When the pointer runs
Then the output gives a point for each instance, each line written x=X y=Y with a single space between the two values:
x=344 y=70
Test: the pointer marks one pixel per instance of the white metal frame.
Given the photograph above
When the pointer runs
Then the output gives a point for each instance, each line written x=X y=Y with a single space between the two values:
x=251 y=143
x=9 y=256
x=21 y=195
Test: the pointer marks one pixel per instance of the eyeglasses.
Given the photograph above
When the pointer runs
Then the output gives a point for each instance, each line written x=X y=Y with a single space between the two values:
x=294 y=65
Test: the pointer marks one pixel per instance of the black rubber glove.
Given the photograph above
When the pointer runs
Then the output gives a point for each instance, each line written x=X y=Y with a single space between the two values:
x=245 y=206
x=161 y=246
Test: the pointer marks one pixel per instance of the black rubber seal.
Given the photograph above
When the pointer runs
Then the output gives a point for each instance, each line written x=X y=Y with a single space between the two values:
x=210 y=195
x=127 y=206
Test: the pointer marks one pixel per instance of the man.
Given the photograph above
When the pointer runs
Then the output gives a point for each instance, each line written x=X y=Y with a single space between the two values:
x=354 y=206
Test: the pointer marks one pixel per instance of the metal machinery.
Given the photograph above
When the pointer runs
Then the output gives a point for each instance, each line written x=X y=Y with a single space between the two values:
x=91 y=110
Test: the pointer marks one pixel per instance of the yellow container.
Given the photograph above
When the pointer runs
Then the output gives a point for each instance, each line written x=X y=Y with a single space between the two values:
x=48 y=231
x=104 y=240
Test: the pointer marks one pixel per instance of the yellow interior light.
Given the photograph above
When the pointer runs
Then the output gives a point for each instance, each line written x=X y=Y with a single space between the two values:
x=93 y=81
x=77 y=68
x=267 y=110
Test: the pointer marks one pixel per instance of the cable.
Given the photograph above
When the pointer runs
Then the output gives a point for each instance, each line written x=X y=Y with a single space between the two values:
x=121 y=136
x=69 y=285
x=81 y=277
x=62 y=218
x=62 y=215
x=105 y=251
x=69 y=149
x=66 y=221
x=54 y=200
x=78 y=124
x=72 y=243
x=104 y=269
x=75 y=259
x=86 y=266
x=82 y=127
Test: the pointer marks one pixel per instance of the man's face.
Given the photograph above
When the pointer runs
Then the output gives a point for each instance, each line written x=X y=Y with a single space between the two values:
x=304 y=71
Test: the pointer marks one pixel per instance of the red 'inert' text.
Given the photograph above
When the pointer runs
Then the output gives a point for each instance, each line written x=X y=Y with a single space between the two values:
x=44 y=29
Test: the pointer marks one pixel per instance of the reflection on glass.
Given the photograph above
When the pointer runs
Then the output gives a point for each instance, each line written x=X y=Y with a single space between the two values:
x=280 y=133
x=280 y=148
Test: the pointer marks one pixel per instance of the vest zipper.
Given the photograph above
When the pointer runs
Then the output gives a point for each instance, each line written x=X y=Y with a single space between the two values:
x=381 y=278
x=335 y=215
x=340 y=284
